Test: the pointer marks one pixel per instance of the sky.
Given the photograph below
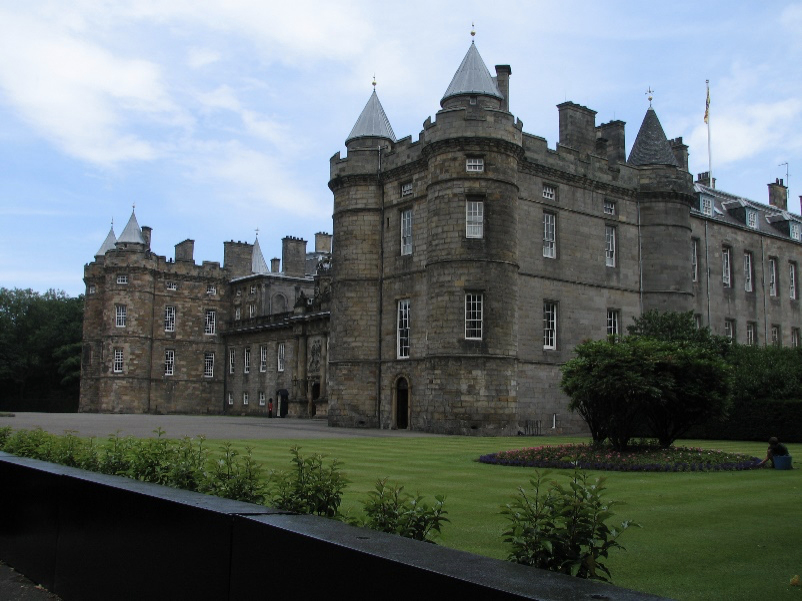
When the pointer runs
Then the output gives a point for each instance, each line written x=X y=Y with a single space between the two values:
x=215 y=118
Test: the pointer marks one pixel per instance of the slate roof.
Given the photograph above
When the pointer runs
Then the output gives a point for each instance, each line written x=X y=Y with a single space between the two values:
x=373 y=122
x=472 y=77
x=108 y=243
x=131 y=234
x=258 y=263
x=651 y=146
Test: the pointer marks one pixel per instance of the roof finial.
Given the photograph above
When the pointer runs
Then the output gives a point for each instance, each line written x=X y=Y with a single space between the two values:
x=473 y=30
x=649 y=93
x=374 y=82
x=257 y=232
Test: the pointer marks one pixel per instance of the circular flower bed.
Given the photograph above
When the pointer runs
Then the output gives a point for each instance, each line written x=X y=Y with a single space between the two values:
x=642 y=458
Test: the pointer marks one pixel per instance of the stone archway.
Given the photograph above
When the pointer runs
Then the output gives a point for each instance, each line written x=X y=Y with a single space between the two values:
x=401 y=413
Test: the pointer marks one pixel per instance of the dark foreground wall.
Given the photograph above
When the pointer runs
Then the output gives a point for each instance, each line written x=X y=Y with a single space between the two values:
x=90 y=536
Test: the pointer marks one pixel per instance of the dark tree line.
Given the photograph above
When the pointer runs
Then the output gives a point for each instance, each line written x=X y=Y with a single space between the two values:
x=40 y=350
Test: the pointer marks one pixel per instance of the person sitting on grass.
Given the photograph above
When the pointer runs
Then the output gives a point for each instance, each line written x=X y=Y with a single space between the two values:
x=776 y=449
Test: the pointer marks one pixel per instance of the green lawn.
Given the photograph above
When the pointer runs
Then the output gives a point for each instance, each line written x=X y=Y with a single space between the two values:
x=726 y=535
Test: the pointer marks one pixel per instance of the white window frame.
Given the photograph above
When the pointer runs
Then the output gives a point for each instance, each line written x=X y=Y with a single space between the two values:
x=549 y=325
x=210 y=324
x=211 y=289
x=549 y=192
x=474 y=165
x=549 y=235
x=726 y=266
x=232 y=360
x=263 y=358
x=474 y=218
x=253 y=289
x=795 y=231
x=237 y=313
x=119 y=361
x=406 y=189
x=120 y=315
x=230 y=398
x=261 y=398
x=773 y=287
x=609 y=207
x=208 y=364
x=280 y=357
x=795 y=337
x=122 y=278
x=793 y=291
x=775 y=335
x=171 y=286
x=169 y=362
x=247 y=360
x=474 y=315
x=751 y=218
x=169 y=318
x=751 y=333
x=706 y=205
x=729 y=329
x=402 y=329
x=697 y=319
x=92 y=289
x=695 y=259
x=613 y=321
x=252 y=310
x=748 y=272
x=244 y=398
x=406 y=232
x=609 y=245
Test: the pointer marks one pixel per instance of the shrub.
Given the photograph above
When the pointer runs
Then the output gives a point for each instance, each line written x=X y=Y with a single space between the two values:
x=115 y=457
x=234 y=477
x=188 y=466
x=310 y=487
x=149 y=459
x=390 y=509
x=563 y=529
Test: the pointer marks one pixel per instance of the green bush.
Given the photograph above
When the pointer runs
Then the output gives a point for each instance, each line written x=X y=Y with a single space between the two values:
x=563 y=529
x=310 y=487
x=235 y=477
x=390 y=509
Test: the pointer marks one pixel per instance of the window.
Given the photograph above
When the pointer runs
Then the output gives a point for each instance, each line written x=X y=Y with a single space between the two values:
x=92 y=289
x=609 y=234
x=609 y=207
x=549 y=325
x=549 y=192
x=118 y=361
x=261 y=398
x=253 y=289
x=244 y=398
x=406 y=232
x=169 y=362
x=748 y=272
x=121 y=313
x=795 y=337
x=473 y=315
x=549 y=235
x=402 y=335
x=474 y=164
x=122 y=279
x=210 y=326
x=474 y=218
x=697 y=319
x=262 y=358
x=239 y=291
x=232 y=355
x=729 y=329
x=695 y=259
x=775 y=335
x=169 y=318
x=773 y=287
x=796 y=231
x=251 y=311
x=706 y=205
x=237 y=313
x=751 y=218
x=406 y=189
x=280 y=357
x=208 y=364
x=171 y=286
x=726 y=267
x=247 y=360
x=793 y=292
x=751 y=333
x=230 y=398
x=612 y=322
x=211 y=289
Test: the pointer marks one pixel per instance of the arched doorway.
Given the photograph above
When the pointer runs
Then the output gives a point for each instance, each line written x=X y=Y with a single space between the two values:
x=402 y=404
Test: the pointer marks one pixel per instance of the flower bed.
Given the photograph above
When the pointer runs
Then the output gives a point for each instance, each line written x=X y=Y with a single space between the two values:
x=641 y=458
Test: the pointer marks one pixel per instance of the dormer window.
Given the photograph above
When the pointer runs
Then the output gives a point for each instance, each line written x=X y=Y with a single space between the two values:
x=472 y=100
x=474 y=165
x=706 y=205
x=751 y=218
x=795 y=231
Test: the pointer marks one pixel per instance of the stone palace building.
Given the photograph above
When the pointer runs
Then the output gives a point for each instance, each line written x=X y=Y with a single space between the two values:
x=463 y=268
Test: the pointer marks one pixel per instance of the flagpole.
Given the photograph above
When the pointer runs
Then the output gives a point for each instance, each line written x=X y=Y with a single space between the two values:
x=709 y=150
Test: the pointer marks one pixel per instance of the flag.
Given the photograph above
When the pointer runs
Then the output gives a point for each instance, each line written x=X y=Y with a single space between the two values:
x=707 y=105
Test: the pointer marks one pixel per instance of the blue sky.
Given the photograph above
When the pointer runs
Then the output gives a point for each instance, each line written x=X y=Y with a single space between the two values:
x=219 y=117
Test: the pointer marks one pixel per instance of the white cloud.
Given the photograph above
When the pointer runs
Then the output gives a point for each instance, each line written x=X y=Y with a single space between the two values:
x=200 y=57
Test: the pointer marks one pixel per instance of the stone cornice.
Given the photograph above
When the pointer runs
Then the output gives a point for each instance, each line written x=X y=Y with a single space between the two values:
x=582 y=181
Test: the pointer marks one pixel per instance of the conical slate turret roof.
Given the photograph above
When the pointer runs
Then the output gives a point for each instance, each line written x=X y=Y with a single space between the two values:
x=108 y=243
x=472 y=77
x=258 y=263
x=373 y=122
x=651 y=146
x=131 y=234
